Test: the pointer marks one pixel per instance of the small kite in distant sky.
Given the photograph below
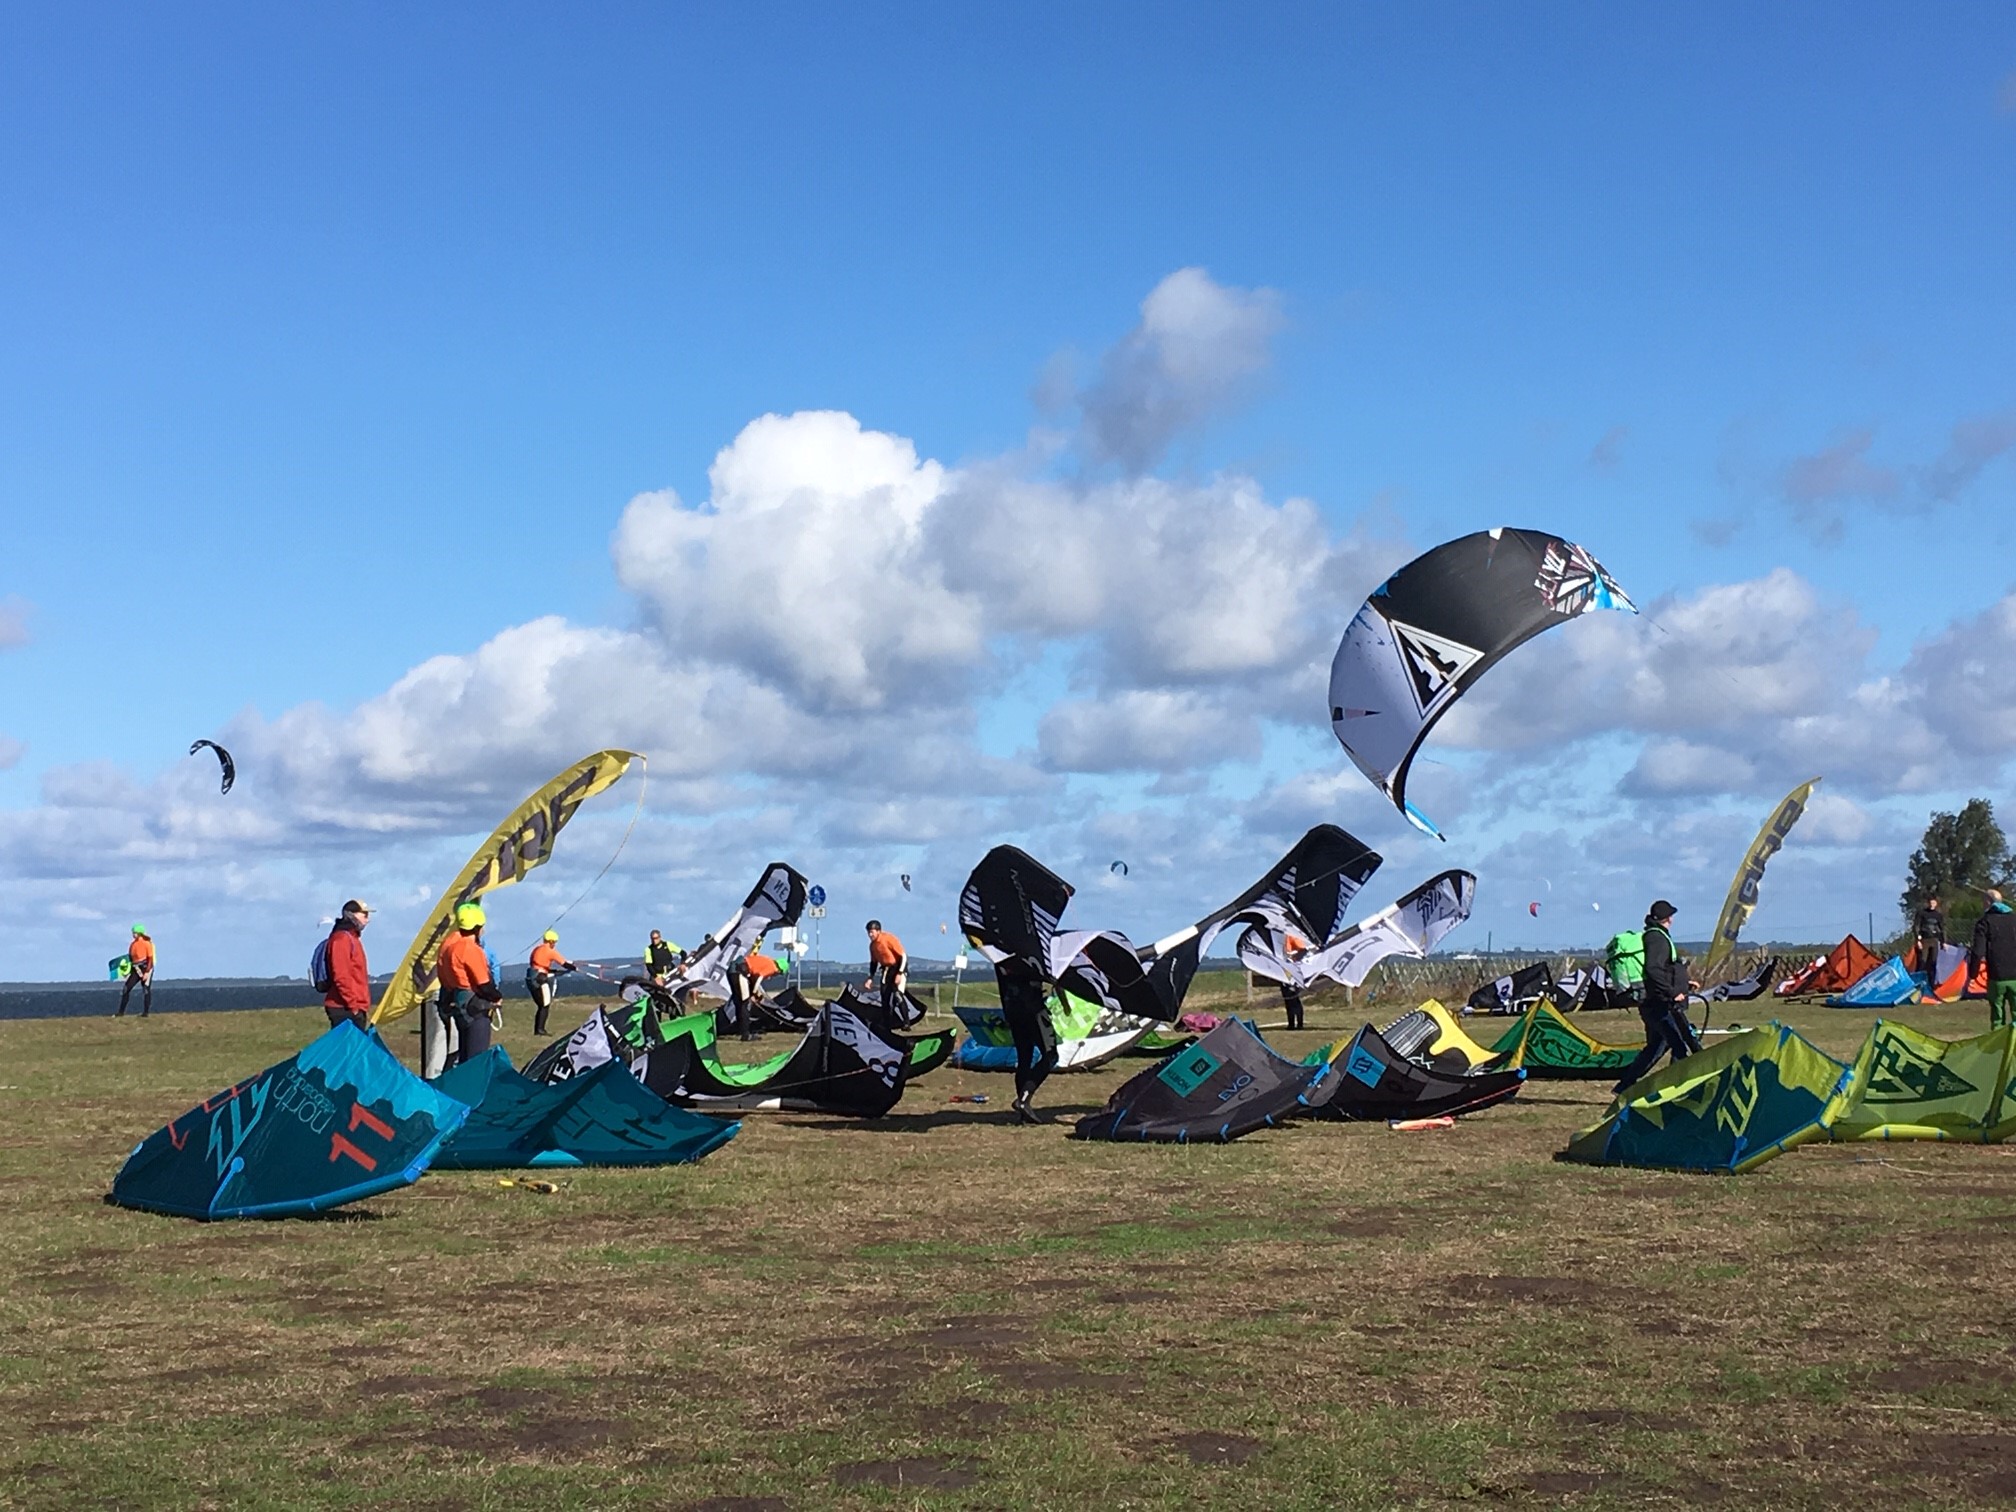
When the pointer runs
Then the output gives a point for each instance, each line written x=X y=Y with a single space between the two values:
x=905 y=880
x=1118 y=868
x=230 y=767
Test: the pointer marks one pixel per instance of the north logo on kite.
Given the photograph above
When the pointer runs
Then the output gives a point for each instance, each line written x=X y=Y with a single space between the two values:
x=1434 y=663
x=1899 y=1075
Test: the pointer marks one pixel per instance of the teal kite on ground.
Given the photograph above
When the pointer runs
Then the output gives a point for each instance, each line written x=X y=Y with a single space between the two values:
x=1726 y=1109
x=341 y=1121
x=603 y=1117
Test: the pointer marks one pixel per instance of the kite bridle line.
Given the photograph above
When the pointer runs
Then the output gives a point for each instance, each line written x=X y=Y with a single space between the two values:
x=643 y=781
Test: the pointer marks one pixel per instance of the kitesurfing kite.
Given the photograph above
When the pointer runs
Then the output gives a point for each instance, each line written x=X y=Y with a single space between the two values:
x=1437 y=625
x=224 y=761
x=1533 y=909
x=905 y=880
x=1012 y=906
x=1742 y=899
x=524 y=840
x=1118 y=868
x=775 y=902
x=1412 y=926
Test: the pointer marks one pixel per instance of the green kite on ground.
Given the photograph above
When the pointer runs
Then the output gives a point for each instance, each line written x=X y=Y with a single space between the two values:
x=1547 y=1047
x=1909 y=1085
x=1727 y=1109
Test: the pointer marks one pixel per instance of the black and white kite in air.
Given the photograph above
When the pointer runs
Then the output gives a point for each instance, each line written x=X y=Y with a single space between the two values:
x=905 y=880
x=1413 y=927
x=775 y=902
x=1440 y=623
x=1012 y=906
x=230 y=767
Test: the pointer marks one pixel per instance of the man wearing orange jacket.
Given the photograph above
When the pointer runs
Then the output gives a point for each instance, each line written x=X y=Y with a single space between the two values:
x=141 y=954
x=886 y=962
x=467 y=992
x=540 y=978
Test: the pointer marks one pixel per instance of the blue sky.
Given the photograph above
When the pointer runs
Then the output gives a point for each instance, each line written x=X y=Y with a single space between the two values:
x=334 y=343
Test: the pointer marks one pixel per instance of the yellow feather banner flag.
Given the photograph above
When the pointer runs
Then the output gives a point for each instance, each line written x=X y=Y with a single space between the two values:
x=520 y=843
x=1742 y=899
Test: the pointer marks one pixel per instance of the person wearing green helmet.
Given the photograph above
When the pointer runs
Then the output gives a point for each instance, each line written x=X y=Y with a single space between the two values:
x=141 y=954
x=468 y=989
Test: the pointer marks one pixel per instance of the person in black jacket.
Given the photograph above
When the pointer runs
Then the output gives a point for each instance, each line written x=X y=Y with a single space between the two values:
x=1930 y=930
x=1995 y=947
x=1028 y=1016
x=1663 y=1008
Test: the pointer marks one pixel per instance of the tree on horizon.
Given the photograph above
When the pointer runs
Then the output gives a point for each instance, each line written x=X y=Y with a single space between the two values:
x=1959 y=856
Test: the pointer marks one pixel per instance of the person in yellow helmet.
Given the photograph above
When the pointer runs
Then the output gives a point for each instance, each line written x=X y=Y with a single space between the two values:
x=541 y=978
x=467 y=991
x=141 y=954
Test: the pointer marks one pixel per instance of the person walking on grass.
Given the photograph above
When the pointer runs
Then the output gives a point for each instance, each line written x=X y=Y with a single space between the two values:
x=140 y=974
x=348 y=995
x=1027 y=1012
x=1663 y=1009
x=468 y=990
x=1994 y=947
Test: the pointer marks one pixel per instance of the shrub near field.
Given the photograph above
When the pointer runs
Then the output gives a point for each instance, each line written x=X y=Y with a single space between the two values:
x=944 y=1310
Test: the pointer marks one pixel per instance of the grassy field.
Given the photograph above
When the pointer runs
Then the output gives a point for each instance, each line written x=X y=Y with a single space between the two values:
x=944 y=1310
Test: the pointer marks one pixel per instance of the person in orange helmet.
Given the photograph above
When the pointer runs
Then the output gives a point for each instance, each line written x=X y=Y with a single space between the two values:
x=467 y=991
x=541 y=978
x=141 y=954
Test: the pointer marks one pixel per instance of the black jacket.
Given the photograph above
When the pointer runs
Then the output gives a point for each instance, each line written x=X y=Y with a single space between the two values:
x=1995 y=943
x=1665 y=971
x=1931 y=925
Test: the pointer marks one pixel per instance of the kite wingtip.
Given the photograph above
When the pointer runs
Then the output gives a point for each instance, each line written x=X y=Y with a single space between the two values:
x=1421 y=822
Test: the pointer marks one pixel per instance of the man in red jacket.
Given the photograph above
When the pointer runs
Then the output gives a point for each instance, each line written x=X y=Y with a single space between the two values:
x=349 y=994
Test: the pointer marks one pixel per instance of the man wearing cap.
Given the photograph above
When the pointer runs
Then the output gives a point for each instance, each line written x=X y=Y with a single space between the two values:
x=1994 y=947
x=1664 y=1006
x=467 y=989
x=141 y=954
x=546 y=965
x=349 y=994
